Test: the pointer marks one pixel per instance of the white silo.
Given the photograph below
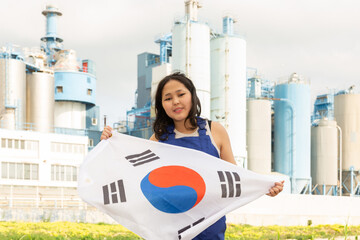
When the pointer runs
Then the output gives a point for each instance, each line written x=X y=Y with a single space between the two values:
x=347 y=115
x=13 y=93
x=228 y=86
x=191 y=53
x=40 y=101
x=324 y=155
x=258 y=136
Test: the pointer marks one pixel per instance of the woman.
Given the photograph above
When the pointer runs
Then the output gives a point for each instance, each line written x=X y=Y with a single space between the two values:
x=178 y=123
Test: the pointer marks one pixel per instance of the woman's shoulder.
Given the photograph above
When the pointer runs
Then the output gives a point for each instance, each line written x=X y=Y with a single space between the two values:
x=218 y=132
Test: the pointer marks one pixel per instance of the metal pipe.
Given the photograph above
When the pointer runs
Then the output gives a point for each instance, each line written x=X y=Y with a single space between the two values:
x=226 y=83
x=187 y=65
x=352 y=175
x=340 y=159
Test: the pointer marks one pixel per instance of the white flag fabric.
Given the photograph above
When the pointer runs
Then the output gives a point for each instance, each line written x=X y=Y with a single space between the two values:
x=161 y=191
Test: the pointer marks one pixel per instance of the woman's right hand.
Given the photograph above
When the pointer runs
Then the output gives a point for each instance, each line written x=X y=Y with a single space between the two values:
x=106 y=133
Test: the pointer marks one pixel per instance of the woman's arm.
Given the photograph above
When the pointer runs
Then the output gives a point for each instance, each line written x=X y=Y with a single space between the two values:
x=222 y=141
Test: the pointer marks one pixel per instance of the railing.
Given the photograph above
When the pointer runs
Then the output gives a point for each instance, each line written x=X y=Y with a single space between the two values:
x=61 y=203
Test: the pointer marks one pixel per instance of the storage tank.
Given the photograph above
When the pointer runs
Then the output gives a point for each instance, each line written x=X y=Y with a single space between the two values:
x=70 y=115
x=258 y=135
x=13 y=93
x=191 y=53
x=228 y=89
x=40 y=101
x=347 y=115
x=324 y=153
x=292 y=131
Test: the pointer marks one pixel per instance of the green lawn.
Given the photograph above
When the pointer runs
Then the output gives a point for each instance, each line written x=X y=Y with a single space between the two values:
x=67 y=230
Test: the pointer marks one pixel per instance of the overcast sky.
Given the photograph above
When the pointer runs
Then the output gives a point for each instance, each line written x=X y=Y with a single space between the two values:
x=319 y=39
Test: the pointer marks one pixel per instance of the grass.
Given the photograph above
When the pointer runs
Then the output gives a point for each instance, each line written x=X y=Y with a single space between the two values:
x=87 y=231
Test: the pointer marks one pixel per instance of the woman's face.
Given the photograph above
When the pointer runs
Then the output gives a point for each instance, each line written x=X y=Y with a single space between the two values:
x=176 y=100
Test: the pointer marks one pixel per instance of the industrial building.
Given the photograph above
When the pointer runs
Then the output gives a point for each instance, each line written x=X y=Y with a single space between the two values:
x=48 y=120
x=270 y=124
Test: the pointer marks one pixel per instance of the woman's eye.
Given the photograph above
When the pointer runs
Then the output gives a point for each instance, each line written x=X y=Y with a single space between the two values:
x=181 y=94
x=167 y=99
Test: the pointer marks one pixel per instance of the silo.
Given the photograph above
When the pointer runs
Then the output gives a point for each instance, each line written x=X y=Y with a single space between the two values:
x=191 y=53
x=40 y=101
x=258 y=135
x=347 y=115
x=70 y=114
x=228 y=88
x=324 y=153
x=13 y=93
x=292 y=131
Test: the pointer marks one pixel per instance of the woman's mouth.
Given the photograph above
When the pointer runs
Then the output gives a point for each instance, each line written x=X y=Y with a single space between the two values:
x=178 y=110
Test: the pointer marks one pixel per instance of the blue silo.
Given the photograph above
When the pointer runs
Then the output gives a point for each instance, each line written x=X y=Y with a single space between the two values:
x=292 y=132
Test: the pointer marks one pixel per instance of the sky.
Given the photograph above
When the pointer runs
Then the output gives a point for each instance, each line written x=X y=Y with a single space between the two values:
x=318 y=39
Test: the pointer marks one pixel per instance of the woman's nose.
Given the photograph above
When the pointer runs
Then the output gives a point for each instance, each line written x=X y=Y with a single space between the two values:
x=175 y=100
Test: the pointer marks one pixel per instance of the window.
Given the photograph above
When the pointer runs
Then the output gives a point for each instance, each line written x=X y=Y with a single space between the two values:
x=10 y=143
x=91 y=142
x=19 y=144
x=59 y=89
x=68 y=173
x=19 y=171
x=88 y=79
x=4 y=170
x=94 y=121
x=11 y=170
x=63 y=173
x=34 y=171
x=74 y=172
x=89 y=91
x=52 y=172
x=27 y=171
x=67 y=147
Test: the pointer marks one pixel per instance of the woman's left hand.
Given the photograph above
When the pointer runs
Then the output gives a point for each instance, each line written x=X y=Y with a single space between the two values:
x=276 y=189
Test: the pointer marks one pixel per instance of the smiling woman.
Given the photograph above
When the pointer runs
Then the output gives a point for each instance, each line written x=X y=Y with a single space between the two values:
x=178 y=123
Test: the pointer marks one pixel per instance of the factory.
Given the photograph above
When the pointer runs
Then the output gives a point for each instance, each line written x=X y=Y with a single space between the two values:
x=270 y=124
x=49 y=119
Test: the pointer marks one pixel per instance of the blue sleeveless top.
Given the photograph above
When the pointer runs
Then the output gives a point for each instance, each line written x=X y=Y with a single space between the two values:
x=202 y=143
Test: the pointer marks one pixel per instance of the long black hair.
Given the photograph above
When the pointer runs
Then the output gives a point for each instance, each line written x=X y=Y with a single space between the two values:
x=162 y=120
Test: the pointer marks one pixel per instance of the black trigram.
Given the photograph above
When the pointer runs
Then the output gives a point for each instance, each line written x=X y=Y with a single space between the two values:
x=189 y=226
x=230 y=184
x=141 y=158
x=116 y=193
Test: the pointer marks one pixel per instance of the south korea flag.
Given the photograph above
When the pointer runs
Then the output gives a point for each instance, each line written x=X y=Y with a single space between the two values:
x=161 y=191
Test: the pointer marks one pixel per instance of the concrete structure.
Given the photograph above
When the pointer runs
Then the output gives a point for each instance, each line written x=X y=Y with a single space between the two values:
x=40 y=101
x=258 y=135
x=146 y=61
x=228 y=87
x=39 y=166
x=325 y=157
x=292 y=132
x=13 y=92
x=346 y=113
x=191 y=53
